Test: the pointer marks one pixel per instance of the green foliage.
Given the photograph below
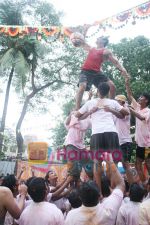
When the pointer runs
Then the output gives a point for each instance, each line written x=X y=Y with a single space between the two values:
x=135 y=54
x=46 y=14
x=10 y=13
x=68 y=107
x=59 y=134
x=9 y=140
x=2 y=155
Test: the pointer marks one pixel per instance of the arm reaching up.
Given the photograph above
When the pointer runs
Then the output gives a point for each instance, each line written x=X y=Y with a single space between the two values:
x=128 y=89
x=108 y=56
x=116 y=178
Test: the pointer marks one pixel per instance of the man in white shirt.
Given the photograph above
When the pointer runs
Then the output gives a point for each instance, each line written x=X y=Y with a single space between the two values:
x=92 y=212
x=129 y=212
x=142 y=130
x=39 y=211
x=123 y=128
x=104 y=133
x=144 y=215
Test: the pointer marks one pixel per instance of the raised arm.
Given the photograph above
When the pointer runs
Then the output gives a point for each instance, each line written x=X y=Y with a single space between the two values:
x=108 y=56
x=116 y=178
x=55 y=195
x=128 y=89
x=10 y=205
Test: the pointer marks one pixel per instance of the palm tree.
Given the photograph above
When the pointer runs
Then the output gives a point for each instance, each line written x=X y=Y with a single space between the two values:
x=15 y=55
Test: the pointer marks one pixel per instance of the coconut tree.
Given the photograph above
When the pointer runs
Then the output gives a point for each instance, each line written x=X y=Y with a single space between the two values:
x=15 y=54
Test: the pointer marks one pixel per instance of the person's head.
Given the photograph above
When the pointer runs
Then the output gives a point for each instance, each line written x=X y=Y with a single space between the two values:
x=127 y=186
x=121 y=99
x=102 y=42
x=144 y=100
x=11 y=182
x=105 y=185
x=29 y=180
x=37 y=189
x=74 y=199
x=103 y=89
x=89 y=193
x=51 y=177
x=136 y=192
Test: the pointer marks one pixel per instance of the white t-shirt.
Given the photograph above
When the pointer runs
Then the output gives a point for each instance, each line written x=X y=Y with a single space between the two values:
x=144 y=215
x=123 y=128
x=101 y=120
x=43 y=213
x=101 y=214
x=128 y=214
x=142 y=131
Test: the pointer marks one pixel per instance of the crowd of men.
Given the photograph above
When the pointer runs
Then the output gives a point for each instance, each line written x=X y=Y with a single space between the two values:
x=104 y=197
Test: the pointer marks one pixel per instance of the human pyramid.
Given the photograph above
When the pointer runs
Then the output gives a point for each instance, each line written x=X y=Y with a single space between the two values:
x=104 y=197
x=109 y=117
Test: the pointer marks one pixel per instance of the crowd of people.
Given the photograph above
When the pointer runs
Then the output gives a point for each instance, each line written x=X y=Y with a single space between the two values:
x=104 y=196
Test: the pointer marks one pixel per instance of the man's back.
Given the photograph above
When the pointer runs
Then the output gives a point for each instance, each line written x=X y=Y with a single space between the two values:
x=144 y=213
x=101 y=214
x=128 y=213
x=101 y=120
x=41 y=213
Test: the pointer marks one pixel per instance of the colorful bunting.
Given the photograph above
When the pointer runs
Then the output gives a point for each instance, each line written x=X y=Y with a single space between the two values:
x=114 y=22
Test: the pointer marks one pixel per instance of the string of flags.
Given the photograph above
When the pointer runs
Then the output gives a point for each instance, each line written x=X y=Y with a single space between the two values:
x=115 y=22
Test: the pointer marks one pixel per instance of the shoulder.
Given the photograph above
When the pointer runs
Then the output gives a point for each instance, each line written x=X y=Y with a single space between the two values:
x=73 y=212
x=117 y=192
x=112 y=102
x=91 y=102
x=5 y=192
x=145 y=204
x=107 y=51
x=53 y=207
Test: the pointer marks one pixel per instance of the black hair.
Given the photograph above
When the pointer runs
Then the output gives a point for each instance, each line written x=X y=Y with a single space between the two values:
x=37 y=189
x=29 y=180
x=10 y=182
x=105 y=40
x=103 y=89
x=136 y=192
x=47 y=176
x=89 y=193
x=105 y=185
x=127 y=186
x=74 y=199
x=147 y=96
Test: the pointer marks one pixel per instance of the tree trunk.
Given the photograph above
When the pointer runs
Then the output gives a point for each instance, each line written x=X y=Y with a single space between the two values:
x=2 y=127
x=19 y=137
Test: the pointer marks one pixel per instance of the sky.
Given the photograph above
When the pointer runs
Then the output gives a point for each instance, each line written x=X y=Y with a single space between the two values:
x=77 y=12
x=87 y=11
